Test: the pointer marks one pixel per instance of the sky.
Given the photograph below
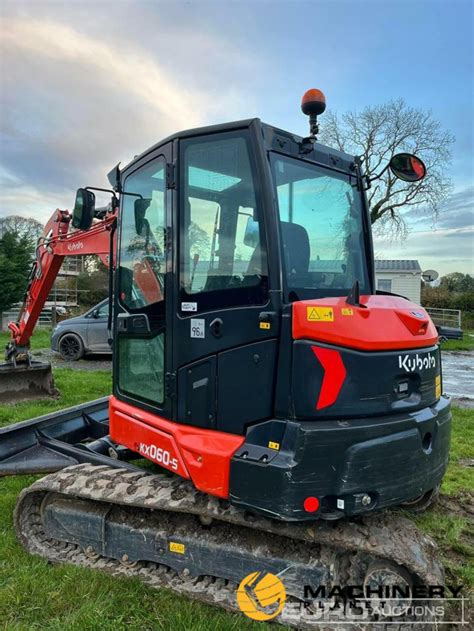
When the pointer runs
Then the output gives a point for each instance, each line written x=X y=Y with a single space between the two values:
x=84 y=85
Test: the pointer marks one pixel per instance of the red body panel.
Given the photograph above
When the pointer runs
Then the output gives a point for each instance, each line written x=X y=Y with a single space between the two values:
x=203 y=455
x=387 y=323
x=334 y=375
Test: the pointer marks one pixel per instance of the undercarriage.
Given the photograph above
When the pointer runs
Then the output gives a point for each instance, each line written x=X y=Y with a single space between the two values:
x=160 y=529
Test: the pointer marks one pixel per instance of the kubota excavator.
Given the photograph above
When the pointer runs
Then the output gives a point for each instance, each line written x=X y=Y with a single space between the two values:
x=285 y=400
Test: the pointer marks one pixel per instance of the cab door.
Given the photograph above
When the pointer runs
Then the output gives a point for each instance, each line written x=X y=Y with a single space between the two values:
x=227 y=331
x=143 y=341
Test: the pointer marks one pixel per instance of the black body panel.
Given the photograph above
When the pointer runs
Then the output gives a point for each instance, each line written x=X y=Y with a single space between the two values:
x=245 y=385
x=392 y=459
x=197 y=387
x=380 y=382
x=230 y=390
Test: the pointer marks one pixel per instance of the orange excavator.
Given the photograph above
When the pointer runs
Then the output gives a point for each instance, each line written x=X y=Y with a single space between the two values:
x=284 y=402
x=21 y=376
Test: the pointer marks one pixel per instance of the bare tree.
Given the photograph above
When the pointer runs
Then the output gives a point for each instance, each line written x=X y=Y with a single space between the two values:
x=21 y=226
x=379 y=132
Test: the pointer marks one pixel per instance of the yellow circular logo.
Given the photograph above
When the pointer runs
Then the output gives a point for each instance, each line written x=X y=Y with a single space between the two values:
x=261 y=596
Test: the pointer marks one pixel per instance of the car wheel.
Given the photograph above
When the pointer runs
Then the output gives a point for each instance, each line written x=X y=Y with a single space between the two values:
x=71 y=347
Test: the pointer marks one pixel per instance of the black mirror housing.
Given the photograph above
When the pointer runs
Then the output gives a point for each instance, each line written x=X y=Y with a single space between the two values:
x=84 y=209
x=407 y=167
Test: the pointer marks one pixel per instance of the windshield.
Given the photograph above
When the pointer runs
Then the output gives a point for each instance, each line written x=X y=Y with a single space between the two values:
x=322 y=231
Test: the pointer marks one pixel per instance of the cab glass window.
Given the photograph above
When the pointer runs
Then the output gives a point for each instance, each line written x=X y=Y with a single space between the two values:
x=142 y=267
x=322 y=229
x=142 y=258
x=223 y=259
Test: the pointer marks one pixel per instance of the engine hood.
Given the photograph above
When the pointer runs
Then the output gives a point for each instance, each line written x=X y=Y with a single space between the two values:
x=381 y=323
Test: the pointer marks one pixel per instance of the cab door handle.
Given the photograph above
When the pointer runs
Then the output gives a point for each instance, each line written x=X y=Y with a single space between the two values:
x=216 y=327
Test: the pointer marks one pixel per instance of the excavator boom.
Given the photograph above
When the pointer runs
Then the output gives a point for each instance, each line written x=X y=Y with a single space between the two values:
x=21 y=376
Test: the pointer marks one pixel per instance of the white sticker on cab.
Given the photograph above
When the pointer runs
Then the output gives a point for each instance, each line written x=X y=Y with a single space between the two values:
x=189 y=306
x=198 y=328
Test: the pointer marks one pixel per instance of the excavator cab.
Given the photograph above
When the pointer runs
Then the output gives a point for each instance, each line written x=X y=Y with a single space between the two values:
x=251 y=347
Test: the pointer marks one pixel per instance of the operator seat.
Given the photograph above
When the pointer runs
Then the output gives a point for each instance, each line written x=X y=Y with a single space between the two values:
x=296 y=248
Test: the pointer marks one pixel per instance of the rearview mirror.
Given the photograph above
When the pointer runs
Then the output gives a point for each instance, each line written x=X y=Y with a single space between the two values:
x=140 y=208
x=251 y=236
x=84 y=209
x=407 y=167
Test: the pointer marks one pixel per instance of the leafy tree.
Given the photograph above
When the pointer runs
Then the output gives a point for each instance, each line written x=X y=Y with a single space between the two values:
x=457 y=282
x=93 y=286
x=28 y=227
x=15 y=263
x=376 y=134
x=199 y=240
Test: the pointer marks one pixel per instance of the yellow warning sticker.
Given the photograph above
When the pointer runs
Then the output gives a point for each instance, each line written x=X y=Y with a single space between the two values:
x=319 y=314
x=347 y=312
x=273 y=445
x=177 y=547
x=264 y=325
x=438 y=386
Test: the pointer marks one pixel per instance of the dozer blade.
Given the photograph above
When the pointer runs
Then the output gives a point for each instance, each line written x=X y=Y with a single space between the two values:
x=26 y=382
x=71 y=436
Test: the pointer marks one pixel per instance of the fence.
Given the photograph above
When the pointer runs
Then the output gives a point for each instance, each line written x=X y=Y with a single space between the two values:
x=45 y=319
x=445 y=317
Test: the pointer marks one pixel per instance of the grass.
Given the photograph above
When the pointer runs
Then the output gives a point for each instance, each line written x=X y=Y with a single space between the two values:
x=41 y=338
x=75 y=387
x=466 y=344
x=460 y=476
x=35 y=595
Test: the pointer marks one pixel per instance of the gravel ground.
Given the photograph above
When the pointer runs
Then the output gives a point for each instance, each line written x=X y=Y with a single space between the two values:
x=90 y=363
x=458 y=376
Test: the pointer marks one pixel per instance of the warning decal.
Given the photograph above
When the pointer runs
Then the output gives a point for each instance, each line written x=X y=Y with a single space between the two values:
x=347 y=312
x=179 y=548
x=319 y=314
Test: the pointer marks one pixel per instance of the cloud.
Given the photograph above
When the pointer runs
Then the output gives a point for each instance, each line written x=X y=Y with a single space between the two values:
x=446 y=250
x=75 y=104
x=456 y=211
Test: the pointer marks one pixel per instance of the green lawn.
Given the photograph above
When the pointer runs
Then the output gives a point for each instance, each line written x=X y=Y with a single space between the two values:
x=75 y=387
x=35 y=595
x=40 y=339
x=466 y=344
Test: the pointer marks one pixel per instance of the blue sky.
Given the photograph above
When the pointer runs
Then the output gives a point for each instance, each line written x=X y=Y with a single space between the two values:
x=86 y=84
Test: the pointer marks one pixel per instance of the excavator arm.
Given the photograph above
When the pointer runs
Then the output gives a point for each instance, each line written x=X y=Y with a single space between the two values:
x=53 y=246
x=21 y=376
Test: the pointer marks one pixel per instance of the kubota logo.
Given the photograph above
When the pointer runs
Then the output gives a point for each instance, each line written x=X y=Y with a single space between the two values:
x=73 y=247
x=411 y=363
x=261 y=596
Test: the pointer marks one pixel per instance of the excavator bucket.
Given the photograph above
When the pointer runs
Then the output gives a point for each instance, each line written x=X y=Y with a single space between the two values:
x=26 y=381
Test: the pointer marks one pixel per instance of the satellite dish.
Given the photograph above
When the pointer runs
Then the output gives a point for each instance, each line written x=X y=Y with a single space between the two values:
x=430 y=275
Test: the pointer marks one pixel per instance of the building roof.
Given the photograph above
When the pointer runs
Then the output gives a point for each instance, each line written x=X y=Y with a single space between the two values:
x=397 y=266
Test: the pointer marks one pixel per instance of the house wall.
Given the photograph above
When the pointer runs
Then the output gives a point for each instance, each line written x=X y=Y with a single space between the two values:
x=404 y=283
